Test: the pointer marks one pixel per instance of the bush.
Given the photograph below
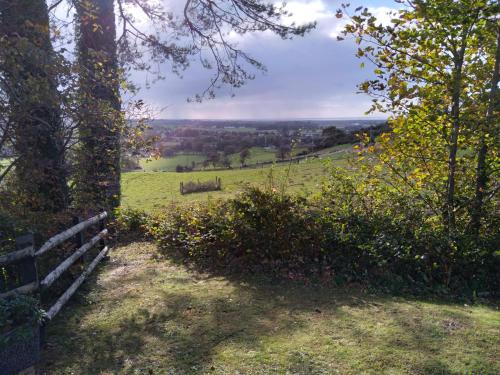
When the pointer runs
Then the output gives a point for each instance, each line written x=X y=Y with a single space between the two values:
x=339 y=237
x=19 y=311
x=196 y=187
x=258 y=230
x=131 y=222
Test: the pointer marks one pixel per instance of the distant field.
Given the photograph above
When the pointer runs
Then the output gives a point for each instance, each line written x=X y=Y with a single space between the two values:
x=169 y=164
x=337 y=149
x=257 y=155
x=151 y=191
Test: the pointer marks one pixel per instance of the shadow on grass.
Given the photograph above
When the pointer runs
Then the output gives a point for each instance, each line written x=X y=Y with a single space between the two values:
x=154 y=319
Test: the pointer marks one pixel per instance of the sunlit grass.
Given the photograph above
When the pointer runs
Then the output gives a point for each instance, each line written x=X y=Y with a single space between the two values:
x=144 y=314
x=154 y=190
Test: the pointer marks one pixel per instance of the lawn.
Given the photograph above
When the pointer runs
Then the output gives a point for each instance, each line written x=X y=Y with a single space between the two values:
x=154 y=190
x=143 y=314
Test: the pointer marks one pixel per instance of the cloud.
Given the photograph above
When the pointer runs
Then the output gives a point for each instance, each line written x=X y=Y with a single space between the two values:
x=310 y=77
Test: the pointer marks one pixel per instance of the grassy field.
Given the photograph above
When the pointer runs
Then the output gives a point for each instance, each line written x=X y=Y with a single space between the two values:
x=150 y=190
x=143 y=314
x=164 y=164
x=169 y=164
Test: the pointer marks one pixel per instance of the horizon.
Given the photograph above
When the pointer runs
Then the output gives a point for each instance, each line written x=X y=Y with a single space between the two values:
x=346 y=118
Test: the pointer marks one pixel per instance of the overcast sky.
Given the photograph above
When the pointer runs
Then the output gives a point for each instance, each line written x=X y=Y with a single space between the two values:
x=312 y=77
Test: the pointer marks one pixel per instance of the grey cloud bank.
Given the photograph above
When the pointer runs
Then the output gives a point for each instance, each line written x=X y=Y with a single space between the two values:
x=310 y=77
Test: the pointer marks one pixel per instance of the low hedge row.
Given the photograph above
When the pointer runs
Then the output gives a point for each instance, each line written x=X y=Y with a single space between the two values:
x=265 y=231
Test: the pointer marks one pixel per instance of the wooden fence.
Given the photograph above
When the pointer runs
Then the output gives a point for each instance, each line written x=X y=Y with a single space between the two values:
x=21 y=266
x=197 y=187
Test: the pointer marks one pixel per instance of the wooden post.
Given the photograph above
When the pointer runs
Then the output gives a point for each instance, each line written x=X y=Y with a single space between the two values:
x=79 y=239
x=27 y=266
x=102 y=243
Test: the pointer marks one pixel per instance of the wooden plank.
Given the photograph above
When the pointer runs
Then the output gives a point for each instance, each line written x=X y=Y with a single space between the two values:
x=63 y=236
x=72 y=289
x=31 y=287
x=63 y=266
x=16 y=255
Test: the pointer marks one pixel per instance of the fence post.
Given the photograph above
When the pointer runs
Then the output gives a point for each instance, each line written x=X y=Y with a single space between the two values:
x=79 y=239
x=28 y=271
x=102 y=242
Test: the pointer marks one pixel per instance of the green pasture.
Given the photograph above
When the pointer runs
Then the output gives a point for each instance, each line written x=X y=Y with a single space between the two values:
x=169 y=164
x=154 y=190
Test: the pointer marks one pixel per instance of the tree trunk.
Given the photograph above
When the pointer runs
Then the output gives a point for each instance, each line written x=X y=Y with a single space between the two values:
x=29 y=73
x=481 y=169
x=98 y=179
x=453 y=147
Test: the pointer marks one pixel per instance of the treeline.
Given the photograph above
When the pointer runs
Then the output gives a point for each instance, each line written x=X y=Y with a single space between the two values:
x=333 y=136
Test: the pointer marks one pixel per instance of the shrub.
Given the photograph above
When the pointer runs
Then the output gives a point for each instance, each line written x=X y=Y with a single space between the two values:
x=19 y=311
x=258 y=230
x=343 y=236
x=129 y=221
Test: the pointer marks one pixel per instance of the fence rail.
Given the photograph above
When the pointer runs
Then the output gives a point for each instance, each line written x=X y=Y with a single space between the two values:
x=27 y=258
x=71 y=232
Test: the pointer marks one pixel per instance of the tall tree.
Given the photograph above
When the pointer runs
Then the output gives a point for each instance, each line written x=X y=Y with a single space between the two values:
x=487 y=128
x=100 y=119
x=28 y=79
x=433 y=65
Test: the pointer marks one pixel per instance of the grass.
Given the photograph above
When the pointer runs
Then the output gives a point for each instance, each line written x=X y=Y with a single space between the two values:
x=151 y=191
x=5 y=162
x=143 y=314
x=169 y=164
x=257 y=155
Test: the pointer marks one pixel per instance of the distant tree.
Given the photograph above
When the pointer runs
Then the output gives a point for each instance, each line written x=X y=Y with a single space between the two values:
x=283 y=151
x=226 y=162
x=229 y=149
x=214 y=158
x=244 y=155
x=333 y=136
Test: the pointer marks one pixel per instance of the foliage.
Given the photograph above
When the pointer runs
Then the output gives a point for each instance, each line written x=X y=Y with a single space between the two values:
x=399 y=242
x=19 y=311
x=353 y=232
x=129 y=221
x=256 y=229
x=436 y=65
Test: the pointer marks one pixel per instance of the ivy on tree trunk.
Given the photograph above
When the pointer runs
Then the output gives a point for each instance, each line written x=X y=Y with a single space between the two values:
x=99 y=123
x=29 y=79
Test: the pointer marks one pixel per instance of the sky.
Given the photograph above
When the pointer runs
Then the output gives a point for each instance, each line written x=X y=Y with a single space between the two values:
x=313 y=77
